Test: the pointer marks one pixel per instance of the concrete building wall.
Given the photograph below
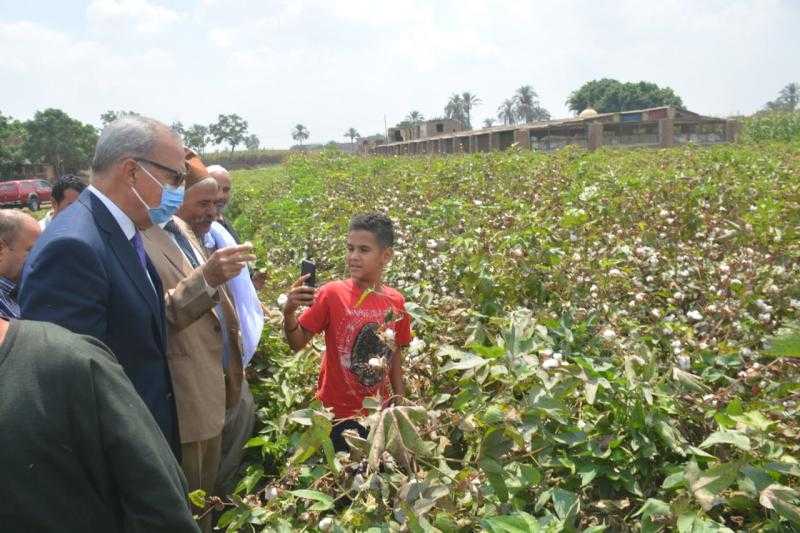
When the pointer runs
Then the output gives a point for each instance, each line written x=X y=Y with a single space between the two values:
x=649 y=127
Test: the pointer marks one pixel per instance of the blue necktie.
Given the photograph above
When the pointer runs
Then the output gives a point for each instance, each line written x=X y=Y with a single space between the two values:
x=138 y=245
x=183 y=243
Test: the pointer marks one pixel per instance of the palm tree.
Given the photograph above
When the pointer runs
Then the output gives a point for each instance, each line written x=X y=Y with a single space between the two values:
x=506 y=112
x=526 y=104
x=455 y=108
x=300 y=134
x=352 y=134
x=488 y=122
x=415 y=117
x=468 y=101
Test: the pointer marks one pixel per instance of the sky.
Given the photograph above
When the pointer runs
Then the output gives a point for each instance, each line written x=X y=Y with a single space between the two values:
x=335 y=64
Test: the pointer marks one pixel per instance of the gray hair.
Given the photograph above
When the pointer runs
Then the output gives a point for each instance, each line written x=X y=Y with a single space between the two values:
x=11 y=221
x=128 y=136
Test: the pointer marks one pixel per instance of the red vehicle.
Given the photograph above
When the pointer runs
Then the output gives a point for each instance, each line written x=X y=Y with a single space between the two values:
x=24 y=193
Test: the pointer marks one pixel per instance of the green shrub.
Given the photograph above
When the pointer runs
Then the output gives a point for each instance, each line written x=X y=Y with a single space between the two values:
x=595 y=329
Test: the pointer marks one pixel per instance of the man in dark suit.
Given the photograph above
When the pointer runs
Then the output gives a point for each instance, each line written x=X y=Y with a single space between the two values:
x=89 y=271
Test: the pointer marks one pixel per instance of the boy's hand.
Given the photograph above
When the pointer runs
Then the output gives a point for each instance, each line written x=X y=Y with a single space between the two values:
x=299 y=295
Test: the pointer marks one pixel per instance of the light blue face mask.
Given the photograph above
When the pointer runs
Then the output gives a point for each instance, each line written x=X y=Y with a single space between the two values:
x=171 y=200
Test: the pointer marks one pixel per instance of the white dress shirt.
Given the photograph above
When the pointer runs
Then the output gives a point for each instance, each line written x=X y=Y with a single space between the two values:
x=123 y=221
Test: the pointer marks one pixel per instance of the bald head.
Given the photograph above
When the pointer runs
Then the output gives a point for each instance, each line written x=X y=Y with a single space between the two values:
x=223 y=178
x=18 y=234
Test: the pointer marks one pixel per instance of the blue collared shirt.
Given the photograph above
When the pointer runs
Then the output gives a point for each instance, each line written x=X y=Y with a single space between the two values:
x=9 y=308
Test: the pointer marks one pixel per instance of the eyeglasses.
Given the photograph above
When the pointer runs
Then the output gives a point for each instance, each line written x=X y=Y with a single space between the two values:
x=178 y=176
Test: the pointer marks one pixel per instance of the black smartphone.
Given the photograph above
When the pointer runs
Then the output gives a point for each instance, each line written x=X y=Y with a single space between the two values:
x=308 y=267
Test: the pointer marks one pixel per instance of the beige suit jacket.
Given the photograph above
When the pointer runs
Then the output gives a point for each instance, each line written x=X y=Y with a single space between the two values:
x=194 y=338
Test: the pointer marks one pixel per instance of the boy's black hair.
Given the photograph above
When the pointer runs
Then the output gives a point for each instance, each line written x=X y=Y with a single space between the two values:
x=376 y=223
x=66 y=182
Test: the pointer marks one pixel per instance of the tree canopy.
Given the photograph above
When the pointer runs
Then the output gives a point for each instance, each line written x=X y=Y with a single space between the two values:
x=12 y=143
x=231 y=129
x=788 y=99
x=54 y=137
x=610 y=96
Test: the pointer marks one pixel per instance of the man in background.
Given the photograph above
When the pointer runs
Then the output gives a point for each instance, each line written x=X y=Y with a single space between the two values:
x=65 y=191
x=197 y=310
x=18 y=234
x=223 y=178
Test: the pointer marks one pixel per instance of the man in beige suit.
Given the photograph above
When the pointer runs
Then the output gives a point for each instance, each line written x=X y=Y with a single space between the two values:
x=202 y=328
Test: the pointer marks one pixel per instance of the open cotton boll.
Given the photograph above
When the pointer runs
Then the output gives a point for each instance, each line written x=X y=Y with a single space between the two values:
x=416 y=346
x=282 y=300
x=550 y=363
x=694 y=315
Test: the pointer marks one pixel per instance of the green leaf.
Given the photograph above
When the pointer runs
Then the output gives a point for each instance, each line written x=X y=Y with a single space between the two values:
x=324 y=502
x=653 y=507
x=566 y=504
x=691 y=523
x=468 y=361
x=674 y=481
x=519 y=522
x=707 y=485
x=198 y=498
x=590 y=390
x=734 y=438
x=251 y=478
x=785 y=345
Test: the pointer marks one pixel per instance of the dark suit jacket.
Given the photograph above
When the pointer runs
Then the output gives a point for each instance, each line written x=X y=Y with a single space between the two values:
x=84 y=274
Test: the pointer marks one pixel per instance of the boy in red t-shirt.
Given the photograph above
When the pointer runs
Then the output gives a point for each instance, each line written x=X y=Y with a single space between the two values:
x=365 y=327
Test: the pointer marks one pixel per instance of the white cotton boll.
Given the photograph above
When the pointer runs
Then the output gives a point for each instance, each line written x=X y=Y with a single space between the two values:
x=655 y=313
x=282 y=300
x=683 y=362
x=518 y=252
x=694 y=315
x=389 y=334
x=376 y=363
x=432 y=244
x=608 y=334
x=271 y=493
x=416 y=346
x=325 y=524
x=615 y=273
x=765 y=317
x=549 y=363
x=557 y=356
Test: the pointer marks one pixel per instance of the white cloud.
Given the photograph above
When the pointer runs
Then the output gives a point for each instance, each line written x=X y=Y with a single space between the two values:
x=221 y=37
x=332 y=64
x=143 y=15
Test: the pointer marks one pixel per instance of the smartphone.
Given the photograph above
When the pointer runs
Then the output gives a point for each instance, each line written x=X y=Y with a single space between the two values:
x=308 y=267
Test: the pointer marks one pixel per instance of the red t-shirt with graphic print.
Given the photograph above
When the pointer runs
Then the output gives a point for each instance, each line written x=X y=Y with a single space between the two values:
x=355 y=332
